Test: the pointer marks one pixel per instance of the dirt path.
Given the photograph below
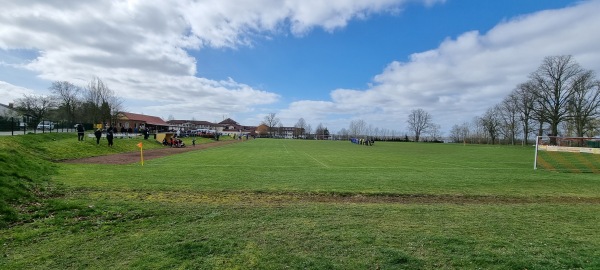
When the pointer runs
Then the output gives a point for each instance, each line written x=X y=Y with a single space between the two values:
x=133 y=157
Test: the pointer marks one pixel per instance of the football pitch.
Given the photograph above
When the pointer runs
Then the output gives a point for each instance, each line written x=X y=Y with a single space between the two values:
x=277 y=204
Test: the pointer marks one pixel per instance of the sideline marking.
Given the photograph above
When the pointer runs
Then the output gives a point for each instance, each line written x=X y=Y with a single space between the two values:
x=324 y=165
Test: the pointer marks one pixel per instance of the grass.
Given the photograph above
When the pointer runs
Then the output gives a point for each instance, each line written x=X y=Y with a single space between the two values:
x=273 y=204
x=569 y=162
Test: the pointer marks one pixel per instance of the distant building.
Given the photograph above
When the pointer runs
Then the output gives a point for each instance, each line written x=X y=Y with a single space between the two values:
x=137 y=121
x=185 y=125
x=278 y=132
x=232 y=127
x=8 y=111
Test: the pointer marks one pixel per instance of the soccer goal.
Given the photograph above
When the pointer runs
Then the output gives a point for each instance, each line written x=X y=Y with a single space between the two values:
x=567 y=154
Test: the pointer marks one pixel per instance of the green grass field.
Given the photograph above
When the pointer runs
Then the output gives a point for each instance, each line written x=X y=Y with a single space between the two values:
x=276 y=204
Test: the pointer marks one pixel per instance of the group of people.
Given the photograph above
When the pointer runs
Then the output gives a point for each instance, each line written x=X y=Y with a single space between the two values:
x=109 y=135
x=362 y=141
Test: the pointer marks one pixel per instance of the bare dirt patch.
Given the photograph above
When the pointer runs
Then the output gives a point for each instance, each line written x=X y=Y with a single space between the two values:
x=133 y=157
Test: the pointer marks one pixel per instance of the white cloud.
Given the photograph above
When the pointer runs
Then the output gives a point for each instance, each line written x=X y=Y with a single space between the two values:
x=12 y=92
x=466 y=75
x=140 y=48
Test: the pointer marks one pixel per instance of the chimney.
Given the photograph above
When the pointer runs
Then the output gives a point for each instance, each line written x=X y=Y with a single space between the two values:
x=11 y=105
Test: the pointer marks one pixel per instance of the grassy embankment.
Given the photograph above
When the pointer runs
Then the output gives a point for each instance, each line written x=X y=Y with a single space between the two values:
x=272 y=204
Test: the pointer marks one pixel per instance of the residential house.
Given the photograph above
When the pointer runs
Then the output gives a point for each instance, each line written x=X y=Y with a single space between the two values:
x=232 y=127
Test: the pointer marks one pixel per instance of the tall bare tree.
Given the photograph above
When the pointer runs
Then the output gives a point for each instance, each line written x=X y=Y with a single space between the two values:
x=357 y=128
x=491 y=123
x=460 y=133
x=321 y=132
x=300 y=128
x=509 y=115
x=526 y=102
x=271 y=122
x=555 y=82
x=69 y=96
x=419 y=121
x=435 y=131
x=101 y=103
x=584 y=105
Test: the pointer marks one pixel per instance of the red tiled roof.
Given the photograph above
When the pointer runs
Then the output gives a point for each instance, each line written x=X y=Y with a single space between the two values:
x=152 y=120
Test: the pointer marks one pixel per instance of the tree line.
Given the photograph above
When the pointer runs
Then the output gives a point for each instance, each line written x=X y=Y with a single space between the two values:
x=560 y=98
x=93 y=103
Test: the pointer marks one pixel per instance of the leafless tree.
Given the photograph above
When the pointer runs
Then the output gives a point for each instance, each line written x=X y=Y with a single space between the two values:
x=69 y=96
x=101 y=103
x=435 y=132
x=584 y=105
x=509 y=115
x=357 y=128
x=526 y=102
x=491 y=123
x=299 y=128
x=555 y=82
x=308 y=131
x=271 y=122
x=419 y=121
x=459 y=133
x=35 y=106
x=322 y=133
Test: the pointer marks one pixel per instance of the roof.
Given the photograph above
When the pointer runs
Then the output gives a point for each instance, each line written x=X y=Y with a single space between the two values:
x=6 y=110
x=229 y=121
x=195 y=122
x=148 y=119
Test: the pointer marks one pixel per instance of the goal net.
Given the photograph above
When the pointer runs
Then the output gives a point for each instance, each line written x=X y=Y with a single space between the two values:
x=567 y=154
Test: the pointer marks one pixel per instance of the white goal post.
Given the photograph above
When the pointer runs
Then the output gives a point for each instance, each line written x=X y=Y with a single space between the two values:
x=566 y=144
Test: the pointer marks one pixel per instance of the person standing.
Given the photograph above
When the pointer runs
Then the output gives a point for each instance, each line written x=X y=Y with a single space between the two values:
x=80 y=132
x=98 y=134
x=109 y=136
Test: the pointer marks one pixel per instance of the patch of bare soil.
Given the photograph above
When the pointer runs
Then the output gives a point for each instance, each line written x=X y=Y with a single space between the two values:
x=133 y=157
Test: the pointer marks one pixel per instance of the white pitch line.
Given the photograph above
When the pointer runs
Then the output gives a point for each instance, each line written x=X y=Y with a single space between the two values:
x=324 y=165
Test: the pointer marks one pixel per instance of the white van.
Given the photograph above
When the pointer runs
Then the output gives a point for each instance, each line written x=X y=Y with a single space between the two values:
x=46 y=125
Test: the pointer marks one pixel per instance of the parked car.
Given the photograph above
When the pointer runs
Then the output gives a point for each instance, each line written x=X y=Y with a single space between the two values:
x=46 y=125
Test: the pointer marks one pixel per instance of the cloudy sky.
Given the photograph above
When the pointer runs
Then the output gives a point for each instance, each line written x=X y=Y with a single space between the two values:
x=328 y=62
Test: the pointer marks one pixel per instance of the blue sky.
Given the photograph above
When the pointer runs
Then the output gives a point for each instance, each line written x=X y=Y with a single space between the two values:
x=327 y=63
x=350 y=57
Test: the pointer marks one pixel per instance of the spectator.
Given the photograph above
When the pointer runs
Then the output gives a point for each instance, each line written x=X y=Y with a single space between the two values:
x=80 y=132
x=109 y=136
x=98 y=134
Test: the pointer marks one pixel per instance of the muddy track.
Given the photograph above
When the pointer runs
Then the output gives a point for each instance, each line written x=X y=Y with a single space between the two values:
x=133 y=157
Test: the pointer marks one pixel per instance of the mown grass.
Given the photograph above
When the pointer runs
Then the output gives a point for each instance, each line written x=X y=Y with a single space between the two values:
x=569 y=162
x=274 y=204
